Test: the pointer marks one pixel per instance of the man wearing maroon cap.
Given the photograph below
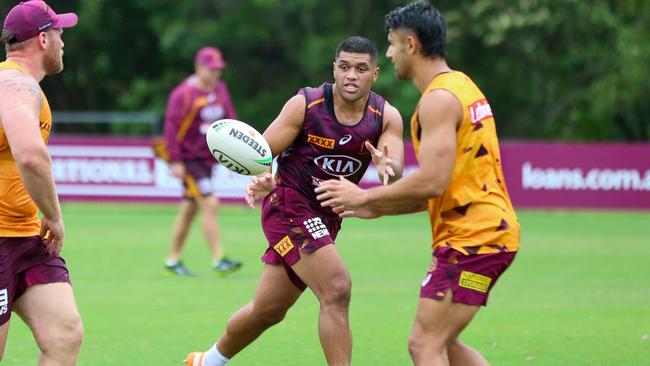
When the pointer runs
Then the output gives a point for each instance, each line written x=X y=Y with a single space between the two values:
x=34 y=279
x=193 y=105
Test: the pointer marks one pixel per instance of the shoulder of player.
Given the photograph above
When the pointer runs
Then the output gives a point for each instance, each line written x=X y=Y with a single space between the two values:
x=16 y=86
x=294 y=111
x=297 y=102
x=181 y=94
x=390 y=112
x=439 y=104
x=179 y=90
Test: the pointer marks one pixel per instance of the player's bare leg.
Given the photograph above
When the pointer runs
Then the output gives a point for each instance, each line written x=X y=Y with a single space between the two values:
x=4 y=330
x=274 y=295
x=181 y=227
x=437 y=325
x=51 y=313
x=461 y=354
x=328 y=278
x=209 y=224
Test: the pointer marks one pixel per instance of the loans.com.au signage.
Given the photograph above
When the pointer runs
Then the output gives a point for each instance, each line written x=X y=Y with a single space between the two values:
x=548 y=175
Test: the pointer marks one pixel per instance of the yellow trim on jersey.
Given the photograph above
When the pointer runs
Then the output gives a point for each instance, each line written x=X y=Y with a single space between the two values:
x=189 y=118
x=10 y=65
x=317 y=101
x=374 y=111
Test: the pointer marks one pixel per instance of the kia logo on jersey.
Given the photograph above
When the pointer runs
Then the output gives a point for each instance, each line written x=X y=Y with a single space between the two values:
x=338 y=165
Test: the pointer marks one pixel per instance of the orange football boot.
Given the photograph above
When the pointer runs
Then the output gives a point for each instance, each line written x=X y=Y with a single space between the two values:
x=194 y=359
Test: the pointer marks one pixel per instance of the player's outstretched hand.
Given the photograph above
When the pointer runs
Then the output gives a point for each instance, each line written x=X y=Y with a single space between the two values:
x=361 y=212
x=382 y=162
x=340 y=193
x=52 y=233
x=259 y=187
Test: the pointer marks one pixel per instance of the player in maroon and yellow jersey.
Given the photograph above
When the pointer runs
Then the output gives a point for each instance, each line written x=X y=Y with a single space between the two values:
x=321 y=133
x=193 y=105
x=474 y=226
x=34 y=279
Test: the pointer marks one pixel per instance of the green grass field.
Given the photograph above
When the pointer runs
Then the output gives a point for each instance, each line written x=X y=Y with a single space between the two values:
x=577 y=294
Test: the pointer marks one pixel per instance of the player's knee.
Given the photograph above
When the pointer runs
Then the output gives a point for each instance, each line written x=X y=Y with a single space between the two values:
x=71 y=334
x=63 y=338
x=338 y=293
x=418 y=346
x=210 y=204
x=421 y=343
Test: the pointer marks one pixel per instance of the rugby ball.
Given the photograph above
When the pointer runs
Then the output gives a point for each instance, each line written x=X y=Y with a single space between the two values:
x=239 y=147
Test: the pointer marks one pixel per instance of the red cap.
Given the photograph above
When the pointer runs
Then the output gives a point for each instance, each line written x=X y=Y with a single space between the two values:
x=27 y=19
x=210 y=57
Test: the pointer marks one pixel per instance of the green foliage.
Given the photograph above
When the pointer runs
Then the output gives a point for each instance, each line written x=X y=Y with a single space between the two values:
x=552 y=69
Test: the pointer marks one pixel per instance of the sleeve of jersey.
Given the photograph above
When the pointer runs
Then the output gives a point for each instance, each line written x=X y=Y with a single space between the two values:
x=227 y=102
x=173 y=118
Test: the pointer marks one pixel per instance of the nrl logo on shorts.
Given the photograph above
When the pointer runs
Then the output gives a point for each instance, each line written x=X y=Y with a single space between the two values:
x=338 y=165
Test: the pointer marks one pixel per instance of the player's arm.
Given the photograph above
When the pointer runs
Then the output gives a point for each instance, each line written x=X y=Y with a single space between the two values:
x=388 y=157
x=227 y=102
x=173 y=118
x=21 y=100
x=287 y=125
x=280 y=134
x=439 y=115
x=374 y=212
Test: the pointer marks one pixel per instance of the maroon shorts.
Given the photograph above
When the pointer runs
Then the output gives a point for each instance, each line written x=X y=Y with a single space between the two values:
x=198 y=178
x=293 y=225
x=470 y=277
x=24 y=262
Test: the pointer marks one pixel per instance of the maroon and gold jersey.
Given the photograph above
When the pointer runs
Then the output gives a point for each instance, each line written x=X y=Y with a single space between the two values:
x=325 y=148
x=474 y=214
x=18 y=213
x=190 y=111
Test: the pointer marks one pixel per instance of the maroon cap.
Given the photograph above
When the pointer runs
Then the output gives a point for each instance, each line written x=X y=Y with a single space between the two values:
x=210 y=57
x=27 y=19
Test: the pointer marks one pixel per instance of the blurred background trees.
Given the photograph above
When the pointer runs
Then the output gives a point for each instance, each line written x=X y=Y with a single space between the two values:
x=552 y=69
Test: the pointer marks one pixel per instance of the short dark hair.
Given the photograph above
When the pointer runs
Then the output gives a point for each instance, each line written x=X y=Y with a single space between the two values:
x=427 y=23
x=358 y=44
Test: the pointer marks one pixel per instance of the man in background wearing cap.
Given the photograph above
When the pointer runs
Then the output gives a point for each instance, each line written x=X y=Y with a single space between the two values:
x=193 y=105
x=34 y=279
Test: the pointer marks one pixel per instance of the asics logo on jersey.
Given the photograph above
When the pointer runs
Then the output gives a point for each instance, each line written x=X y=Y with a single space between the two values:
x=338 y=165
x=479 y=111
x=4 y=301
x=345 y=139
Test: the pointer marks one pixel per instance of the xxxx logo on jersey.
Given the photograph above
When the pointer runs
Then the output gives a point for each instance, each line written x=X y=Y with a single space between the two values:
x=321 y=141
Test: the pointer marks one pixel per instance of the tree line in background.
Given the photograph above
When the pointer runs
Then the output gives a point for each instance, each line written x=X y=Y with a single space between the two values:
x=552 y=69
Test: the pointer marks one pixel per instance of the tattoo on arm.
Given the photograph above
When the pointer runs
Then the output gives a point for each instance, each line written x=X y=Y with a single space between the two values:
x=22 y=85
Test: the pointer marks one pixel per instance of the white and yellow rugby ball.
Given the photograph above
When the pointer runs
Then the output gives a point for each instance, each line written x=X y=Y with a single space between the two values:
x=239 y=147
